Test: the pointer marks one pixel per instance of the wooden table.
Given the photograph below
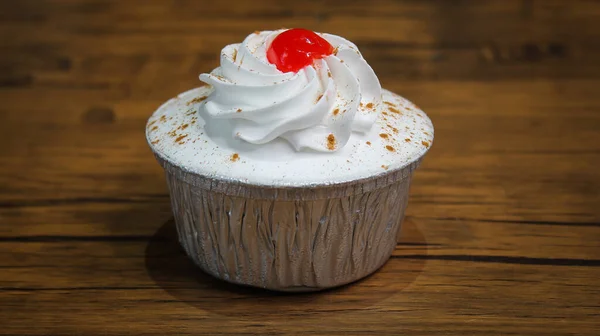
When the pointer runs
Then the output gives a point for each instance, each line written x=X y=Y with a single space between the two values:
x=502 y=234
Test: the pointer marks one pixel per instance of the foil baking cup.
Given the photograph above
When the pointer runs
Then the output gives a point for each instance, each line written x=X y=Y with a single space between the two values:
x=288 y=238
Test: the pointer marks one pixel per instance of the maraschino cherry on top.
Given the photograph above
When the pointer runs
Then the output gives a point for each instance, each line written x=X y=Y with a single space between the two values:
x=296 y=48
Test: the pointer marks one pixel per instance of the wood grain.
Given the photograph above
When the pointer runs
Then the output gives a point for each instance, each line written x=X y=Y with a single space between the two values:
x=502 y=234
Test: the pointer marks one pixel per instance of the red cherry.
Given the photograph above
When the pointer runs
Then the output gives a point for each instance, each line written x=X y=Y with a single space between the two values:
x=296 y=48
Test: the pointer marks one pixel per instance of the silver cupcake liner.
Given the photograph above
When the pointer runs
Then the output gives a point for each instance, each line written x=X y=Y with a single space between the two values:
x=288 y=239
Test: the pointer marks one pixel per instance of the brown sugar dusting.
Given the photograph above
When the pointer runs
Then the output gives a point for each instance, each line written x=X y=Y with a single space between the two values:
x=328 y=73
x=154 y=128
x=394 y=110
x=389 y=103
x=390 y=148
x=425 y=143
x=318 y=98
x=384 y=113
x=384 y=167
x=369 y=143
x=152 y=123
x=196 y=100
x=425 y=133
x=395 y=130
x=155 y=142
x=335 y=51
x=384 y=135
x=331 y=142
x=235 y=157
x=407 y=140
x=336 y=111
x=234 y=54
x=369 y=106
x=181 y=137
x=182 y=127
x=238 y=110
x=163 y=118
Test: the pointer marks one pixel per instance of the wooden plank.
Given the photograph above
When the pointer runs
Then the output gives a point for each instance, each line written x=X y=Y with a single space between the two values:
x=410 y=40
x=125 y=254
x=155 y=281
x=206 y=307
x=489 y=169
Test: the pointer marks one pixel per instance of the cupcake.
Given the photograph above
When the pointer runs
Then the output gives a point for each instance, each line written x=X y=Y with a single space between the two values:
x=289 y=167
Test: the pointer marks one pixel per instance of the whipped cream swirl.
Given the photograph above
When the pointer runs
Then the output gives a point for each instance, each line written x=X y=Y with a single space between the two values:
x=316 y=108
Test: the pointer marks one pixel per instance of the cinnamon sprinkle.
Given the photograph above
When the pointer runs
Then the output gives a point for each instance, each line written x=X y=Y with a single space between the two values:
x=239 y=110
x=369 y=143
x=369 y=105
x=389 y=104
x=163 y=118
x=384 y=135
x=196 y=100
x=318 y=98
x=331 y=142
x=394 y=110
x=234 y=54
x=407 y=140
x=425 y=143
x=336 y=111
x=384 y=167
x=154 y=128
x=155 y=142
x=181 y=137
x=390 y=148
x=235 y=157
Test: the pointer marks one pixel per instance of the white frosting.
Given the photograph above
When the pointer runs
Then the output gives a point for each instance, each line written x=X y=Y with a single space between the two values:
x=316 y=108
x=402 y=134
